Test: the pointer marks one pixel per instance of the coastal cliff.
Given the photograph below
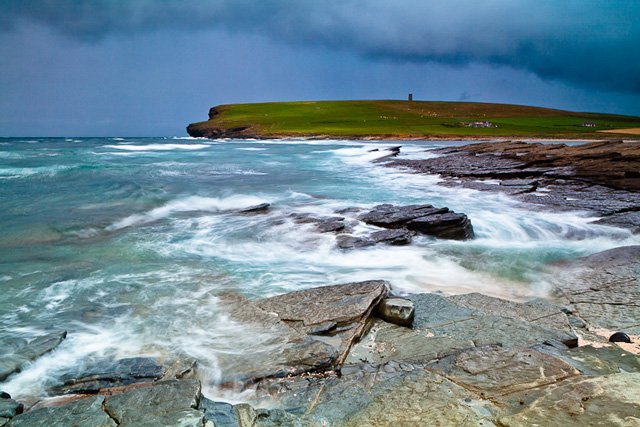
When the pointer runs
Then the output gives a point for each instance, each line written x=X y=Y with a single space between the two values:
x=388 y=119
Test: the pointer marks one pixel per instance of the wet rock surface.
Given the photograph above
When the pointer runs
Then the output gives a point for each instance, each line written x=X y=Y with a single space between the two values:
x=423 y=219
x=329 y=358
x=19 y=352
x=601 y=177
x=111 y=373
x=604 y=289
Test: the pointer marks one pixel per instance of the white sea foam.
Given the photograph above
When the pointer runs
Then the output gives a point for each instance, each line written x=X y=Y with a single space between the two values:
x=157 y=147
x=14 y=173
x=251 y=149
x=188 y=204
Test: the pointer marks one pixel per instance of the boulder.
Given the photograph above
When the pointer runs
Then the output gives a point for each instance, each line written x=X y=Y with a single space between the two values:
x=106 y=373
x=399 y=311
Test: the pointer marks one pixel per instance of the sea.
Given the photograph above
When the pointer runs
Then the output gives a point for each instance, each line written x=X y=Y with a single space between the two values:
x=128 y=243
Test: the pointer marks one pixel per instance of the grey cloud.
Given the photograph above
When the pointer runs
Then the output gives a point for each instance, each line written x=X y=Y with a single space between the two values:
x=584 y=42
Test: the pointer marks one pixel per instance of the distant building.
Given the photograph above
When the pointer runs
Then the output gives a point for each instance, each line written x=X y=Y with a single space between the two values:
x=589 y=125
x=485 y=124
x=410 y=98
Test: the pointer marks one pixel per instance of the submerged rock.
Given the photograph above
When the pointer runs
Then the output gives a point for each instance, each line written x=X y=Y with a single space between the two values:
x=261 y=208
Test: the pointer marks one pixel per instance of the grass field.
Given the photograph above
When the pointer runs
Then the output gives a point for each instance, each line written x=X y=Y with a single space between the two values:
x=403 y=119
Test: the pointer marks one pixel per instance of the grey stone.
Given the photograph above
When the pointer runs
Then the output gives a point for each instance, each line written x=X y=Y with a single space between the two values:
x=4 y=395
x=344 y=241
x=220 y=413
x=9 y=408
x=81 y=413
x=390 y=216
x=448 y=225
x=107 y=373
x=167 y=403
x=399 y=311
x=392 y=237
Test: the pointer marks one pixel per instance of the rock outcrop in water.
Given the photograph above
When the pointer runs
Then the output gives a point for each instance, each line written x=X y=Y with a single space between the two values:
x=463 y=360
x=19 y=352
x=601 y=177
x=423 y=219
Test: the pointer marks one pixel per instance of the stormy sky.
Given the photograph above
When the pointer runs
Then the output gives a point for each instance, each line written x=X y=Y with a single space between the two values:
x=149 y=67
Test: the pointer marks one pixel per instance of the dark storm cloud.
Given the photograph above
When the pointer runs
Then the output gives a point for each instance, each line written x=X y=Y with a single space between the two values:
x=585 y=42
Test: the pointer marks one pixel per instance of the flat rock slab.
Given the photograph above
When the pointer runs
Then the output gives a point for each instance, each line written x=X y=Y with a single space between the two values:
x=279 y=350
x=581 y=401
x=604 y=289
x=108 y=373
x=494 y=371
x=330 y=311
x=443 y=327
x=538 y=312
x=168 y=403
x=590 y=360
x=81 y=413
x=19 y=352
x=305 y=331
x=389 y=394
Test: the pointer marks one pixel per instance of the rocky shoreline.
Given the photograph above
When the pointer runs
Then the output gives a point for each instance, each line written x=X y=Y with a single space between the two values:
x=601 y=177
x=358 y=354
x=365 y=354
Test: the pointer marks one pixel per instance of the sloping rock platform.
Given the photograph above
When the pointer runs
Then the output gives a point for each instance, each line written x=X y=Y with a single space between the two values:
x=462 y=360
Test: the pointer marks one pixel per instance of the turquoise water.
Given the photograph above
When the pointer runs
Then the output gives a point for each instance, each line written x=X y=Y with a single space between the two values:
x=128 y=242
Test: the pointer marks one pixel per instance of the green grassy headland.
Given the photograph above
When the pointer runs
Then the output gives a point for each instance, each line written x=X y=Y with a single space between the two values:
x=404 y=119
